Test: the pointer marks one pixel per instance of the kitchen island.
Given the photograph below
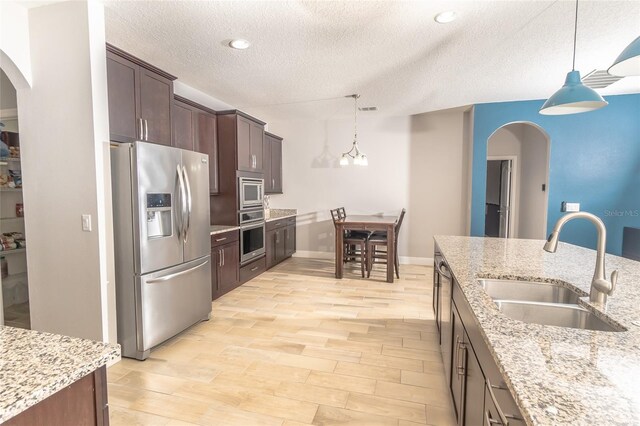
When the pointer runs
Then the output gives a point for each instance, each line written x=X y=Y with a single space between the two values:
x=52 y=379
x=556 y=375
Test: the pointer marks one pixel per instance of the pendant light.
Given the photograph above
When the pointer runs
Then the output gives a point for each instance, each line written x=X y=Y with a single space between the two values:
x=628 y=63
x=359 y=159
x=574 y=97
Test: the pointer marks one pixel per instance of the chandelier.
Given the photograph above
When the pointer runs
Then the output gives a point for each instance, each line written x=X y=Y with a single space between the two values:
x=359 y=159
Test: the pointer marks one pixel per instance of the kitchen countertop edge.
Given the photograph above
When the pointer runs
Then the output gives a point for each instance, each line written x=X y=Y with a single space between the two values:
x=20 y=400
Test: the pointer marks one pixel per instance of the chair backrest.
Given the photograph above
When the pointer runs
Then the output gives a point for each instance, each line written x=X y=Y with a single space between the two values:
x=335 y=215
x=341 y=212
x=400 y=219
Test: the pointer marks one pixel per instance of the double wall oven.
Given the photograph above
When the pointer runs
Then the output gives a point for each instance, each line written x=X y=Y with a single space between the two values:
x=251 y=219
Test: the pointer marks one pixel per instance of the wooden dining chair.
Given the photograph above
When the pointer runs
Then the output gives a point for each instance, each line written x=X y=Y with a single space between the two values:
x=377 y=241
x=354 y=245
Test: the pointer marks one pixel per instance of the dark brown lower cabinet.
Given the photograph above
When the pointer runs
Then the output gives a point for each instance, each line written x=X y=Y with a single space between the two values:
x=280 y=240
x=252 y=270
x=467 y=383
x=478 y=391
x=225 y=259
x=84 y=402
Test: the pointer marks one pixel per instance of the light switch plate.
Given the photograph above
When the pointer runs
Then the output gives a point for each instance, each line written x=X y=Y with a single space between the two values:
x=570 y=207
x=86 y=222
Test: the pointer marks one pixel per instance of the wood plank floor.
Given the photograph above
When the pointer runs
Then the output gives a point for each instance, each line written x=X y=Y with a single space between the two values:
x=296 y=346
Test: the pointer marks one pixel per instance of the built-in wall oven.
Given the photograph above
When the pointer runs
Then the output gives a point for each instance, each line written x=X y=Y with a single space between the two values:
x=251 y=219
x=252 y=235
x=251 y=193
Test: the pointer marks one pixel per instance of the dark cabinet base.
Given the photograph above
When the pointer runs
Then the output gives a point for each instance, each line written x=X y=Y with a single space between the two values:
x=252 y=270
x=82 y=403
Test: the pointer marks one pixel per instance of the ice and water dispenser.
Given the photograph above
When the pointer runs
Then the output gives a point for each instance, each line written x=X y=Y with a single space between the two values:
x=159 y=217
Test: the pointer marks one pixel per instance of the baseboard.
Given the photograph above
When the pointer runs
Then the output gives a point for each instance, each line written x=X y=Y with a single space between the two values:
x=408 y=260
x=404 y=260
x=314 y=254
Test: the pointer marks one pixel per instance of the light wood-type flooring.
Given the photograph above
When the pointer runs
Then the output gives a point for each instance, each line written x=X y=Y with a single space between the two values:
x=295 y=346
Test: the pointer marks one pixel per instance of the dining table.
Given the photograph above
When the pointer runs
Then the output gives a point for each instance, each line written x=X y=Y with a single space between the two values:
x=366 y=223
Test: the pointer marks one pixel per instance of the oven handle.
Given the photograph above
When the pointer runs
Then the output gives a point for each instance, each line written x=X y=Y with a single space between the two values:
x=252 y=226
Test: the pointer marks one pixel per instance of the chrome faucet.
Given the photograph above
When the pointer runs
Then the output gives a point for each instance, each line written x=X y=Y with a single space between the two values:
x=600 y=287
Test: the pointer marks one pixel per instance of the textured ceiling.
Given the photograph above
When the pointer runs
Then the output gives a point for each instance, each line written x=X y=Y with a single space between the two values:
x=391 y=52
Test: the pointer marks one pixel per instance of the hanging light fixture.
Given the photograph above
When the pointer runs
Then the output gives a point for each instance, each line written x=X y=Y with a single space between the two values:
x=628 y=63
x=574 y=97
x=359 y=159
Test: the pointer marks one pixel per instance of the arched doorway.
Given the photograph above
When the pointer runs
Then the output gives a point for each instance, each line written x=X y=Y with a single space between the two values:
x=517 y=181
x=14 y=294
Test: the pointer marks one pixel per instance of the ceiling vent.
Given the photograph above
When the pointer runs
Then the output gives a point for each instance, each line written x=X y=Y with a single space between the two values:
x=599 y=79
x=365 y=109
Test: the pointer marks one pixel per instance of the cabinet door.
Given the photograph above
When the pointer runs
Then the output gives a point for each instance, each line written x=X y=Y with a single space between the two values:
x=444 y=317
x=156 y=94
x=257 y=141
x=243 y=140
x=458 y=366
x=207 y=143
x=216 y=262
x=276 y=165
x=289 y=240
x=270 y=248
x=183 y=126
x=230 y=270
x=474 y=388
x=122 y=82
x=280 y=245
x=266 y=164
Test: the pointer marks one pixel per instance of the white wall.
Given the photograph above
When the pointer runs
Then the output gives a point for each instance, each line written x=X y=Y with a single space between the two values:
x=415 y=162
x=14 y=39
x=64 y=139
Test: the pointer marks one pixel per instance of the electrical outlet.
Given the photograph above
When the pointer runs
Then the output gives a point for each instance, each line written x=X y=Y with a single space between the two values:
x=570 y=207
x=86 y=222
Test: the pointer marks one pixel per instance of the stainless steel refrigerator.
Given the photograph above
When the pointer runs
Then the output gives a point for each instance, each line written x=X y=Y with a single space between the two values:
x=162 y=243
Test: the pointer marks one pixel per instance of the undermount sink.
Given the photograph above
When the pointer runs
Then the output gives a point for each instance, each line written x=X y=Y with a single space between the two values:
x=561 y=315
x=530 y=291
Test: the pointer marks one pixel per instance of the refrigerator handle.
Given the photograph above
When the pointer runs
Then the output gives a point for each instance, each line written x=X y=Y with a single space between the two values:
x=188 y=185
x=177 y=274
x=183 y=196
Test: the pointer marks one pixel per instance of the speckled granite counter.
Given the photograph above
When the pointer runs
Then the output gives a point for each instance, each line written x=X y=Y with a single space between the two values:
x=219 y=229
x=558 y=376
x=35 y=365
x=275 y=214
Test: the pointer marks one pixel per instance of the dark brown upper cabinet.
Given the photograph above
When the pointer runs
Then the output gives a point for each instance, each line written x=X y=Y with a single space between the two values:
x=140 y=99
x=194 y=127
x=272 y=164
x=246 y=134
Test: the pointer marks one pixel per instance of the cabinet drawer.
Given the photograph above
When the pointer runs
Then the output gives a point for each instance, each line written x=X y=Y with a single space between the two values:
x=225 y=238
x=275 y=224
x=252 y=269
x=280 y=223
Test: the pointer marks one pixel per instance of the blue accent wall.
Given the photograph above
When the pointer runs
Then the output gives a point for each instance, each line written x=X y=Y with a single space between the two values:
x=594 y=160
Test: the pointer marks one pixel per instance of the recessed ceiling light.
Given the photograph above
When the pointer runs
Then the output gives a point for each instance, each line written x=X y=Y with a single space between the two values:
x=445 y=17
x=239 y=44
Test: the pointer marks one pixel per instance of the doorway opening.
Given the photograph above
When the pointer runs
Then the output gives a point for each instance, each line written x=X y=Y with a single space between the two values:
x=517 y=182
x=500 y=195
x=14 y=297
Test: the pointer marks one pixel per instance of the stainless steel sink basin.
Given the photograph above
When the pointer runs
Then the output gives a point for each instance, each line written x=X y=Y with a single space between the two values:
x=572 y=316
x=529 y=291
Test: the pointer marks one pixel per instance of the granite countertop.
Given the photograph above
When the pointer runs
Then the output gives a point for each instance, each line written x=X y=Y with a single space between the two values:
x=558 y=376
x=275 y=214
x=35 y=365
x=219 y=229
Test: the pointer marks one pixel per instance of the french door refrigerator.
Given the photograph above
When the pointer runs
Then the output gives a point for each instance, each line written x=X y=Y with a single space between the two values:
x=161 y=242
